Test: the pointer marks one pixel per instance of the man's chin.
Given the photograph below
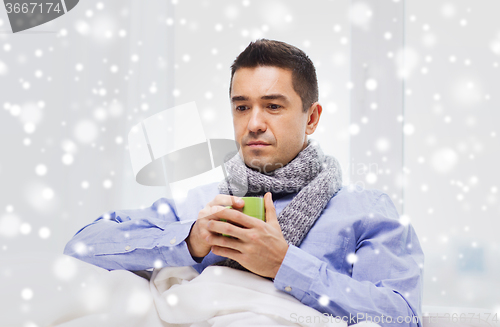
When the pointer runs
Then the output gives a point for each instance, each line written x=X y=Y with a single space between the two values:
x=261 y=165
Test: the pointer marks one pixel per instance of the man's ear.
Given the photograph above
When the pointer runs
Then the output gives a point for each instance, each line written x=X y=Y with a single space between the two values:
x=313 y=115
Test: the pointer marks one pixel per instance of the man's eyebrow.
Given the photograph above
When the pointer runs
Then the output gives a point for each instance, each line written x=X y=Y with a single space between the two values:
x=265 y=97
x=275 y=97
x=239 y=98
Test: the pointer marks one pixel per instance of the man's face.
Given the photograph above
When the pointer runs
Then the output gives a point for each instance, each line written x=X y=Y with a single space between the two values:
x=267 y=109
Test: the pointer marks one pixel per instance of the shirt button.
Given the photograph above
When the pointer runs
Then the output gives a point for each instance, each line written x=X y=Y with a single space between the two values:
x=172 y=241
x=127 y=248
x=288 y=289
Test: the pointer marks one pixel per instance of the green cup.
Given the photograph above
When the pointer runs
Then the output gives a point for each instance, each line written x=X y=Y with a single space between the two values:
x=254 y=207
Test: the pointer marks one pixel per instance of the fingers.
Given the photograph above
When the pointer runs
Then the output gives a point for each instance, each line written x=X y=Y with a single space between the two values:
x=238 y=218
x=219 y=203
x=228 y=253
x=224 y=242
x=225 y=228
x=271 y=217
x=227 y=200
x=210 y=212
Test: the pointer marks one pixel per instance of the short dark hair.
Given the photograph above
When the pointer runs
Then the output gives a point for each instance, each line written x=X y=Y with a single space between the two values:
x=264 y=52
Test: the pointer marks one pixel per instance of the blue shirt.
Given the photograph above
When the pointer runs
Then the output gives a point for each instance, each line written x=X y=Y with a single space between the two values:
x=358 y=261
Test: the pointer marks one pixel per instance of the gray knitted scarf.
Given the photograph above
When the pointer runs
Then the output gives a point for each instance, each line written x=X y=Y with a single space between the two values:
x=315 y=176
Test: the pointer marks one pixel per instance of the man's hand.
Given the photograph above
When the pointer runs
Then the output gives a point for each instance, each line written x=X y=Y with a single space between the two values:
x=258 y=246
x=196 y=241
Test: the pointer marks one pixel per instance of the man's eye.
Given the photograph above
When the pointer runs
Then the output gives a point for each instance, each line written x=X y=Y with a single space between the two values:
x=274 y=106
x=240 y=108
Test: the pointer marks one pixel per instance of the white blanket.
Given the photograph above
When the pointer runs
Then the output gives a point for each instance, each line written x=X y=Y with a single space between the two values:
x=58 y=290
x=222 y=296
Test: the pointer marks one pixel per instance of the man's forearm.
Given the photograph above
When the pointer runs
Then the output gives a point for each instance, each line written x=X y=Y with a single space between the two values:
x=337 y=295
x=137 y=244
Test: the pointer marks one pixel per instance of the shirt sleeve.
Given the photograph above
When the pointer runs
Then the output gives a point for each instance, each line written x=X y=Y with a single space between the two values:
x=135 y=239
x=385 y=285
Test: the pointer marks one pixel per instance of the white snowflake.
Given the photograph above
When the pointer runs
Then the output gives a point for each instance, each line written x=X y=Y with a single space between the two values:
x=41 y=170
x=324 y=300
x=172 y=299
x=47 y=193
x=163 y=208
x=371 y=84
x=27 y=293
x=352 y=258
x=25 y=228
x=44 y=232
x=107 y=184
x=67 y=159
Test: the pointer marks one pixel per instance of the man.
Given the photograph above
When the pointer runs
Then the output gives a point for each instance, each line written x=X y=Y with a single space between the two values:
x=343 y=252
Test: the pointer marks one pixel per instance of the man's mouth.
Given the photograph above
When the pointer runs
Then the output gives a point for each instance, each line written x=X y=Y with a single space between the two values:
x=257 y=144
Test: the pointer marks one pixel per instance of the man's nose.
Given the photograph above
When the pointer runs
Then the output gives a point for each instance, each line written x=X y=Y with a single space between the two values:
x=257 y=120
